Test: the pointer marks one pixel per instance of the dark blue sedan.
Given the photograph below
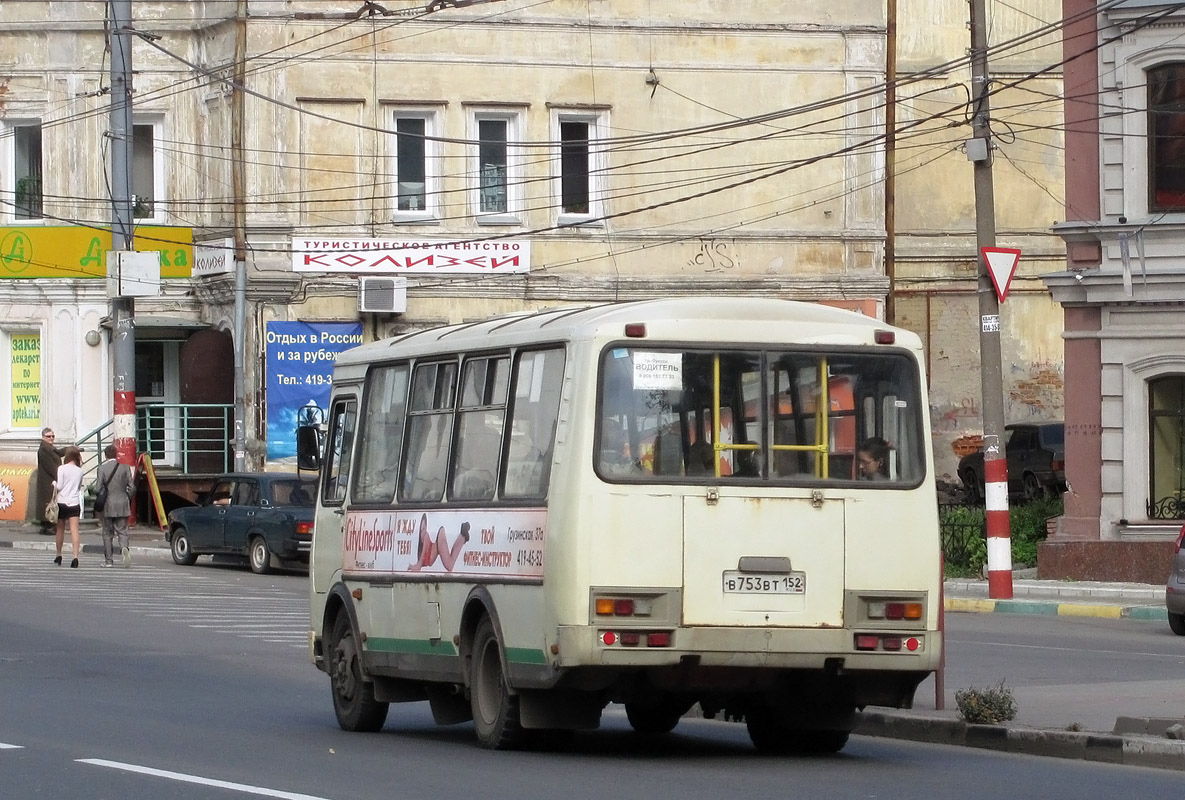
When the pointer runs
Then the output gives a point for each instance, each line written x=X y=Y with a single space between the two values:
x=264 y=517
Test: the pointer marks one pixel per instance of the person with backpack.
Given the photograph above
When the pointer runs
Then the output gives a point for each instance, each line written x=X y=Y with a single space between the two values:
x=115 y=484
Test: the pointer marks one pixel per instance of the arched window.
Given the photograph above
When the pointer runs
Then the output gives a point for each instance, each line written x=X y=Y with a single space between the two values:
x=1166 y=137
x=1166 y=450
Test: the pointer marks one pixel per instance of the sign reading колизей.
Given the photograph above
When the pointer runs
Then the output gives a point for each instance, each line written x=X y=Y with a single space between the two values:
x=394 y=256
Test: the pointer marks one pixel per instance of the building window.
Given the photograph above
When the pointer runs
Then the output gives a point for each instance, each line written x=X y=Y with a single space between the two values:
x=495 y=166
x=581 y=171
x=147 y=171
x=413 y=163
x=26 y=171
x=492 y=166
x=1166 y=134
x=1166 y=451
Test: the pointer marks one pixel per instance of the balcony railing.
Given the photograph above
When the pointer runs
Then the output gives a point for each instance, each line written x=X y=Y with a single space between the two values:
x=193 y=438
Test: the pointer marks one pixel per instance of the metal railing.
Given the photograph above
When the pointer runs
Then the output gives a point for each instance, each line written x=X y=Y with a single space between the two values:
x=188 y=437
x=963 y=529
x=1171 y=507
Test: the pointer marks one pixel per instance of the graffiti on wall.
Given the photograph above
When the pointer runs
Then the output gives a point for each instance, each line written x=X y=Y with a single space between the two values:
x=714 y=255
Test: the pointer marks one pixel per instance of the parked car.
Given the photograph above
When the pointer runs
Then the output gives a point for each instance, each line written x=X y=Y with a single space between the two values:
x=1036 y=462
x=1174 y=590
x=265 y=517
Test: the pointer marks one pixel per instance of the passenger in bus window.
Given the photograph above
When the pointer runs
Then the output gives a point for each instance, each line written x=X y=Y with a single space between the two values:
x=873 y=459
x=700 y=458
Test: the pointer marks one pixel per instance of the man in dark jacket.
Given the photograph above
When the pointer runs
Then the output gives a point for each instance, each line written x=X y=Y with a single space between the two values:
x=49 y=458
x=121 y=485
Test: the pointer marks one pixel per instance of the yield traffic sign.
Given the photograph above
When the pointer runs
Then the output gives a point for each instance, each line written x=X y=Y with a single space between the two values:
x=1001 y=264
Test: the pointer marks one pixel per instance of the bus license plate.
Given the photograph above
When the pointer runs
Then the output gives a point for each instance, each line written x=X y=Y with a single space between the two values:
x=764 y=583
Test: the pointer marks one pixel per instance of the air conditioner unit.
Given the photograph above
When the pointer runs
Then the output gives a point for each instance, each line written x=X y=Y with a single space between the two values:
x=386 y=295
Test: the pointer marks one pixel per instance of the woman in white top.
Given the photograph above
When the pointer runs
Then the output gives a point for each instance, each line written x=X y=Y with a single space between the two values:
x=69 y=488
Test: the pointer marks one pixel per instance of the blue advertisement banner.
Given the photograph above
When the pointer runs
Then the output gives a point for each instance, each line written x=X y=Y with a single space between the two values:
x=299 y=362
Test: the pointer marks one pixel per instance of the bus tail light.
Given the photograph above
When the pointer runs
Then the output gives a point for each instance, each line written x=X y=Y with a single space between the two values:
x=896 y=610
x=884 y=337
x=636 y=638
x=635 y=330
x=623 y=606
x=891 y=644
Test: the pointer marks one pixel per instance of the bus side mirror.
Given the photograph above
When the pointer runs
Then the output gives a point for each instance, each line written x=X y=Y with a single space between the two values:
x=308 y=447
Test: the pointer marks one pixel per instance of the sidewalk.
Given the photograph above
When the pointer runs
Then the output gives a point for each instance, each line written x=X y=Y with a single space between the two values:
x=1138 y=736
x=1125 y=725
x=145 y=541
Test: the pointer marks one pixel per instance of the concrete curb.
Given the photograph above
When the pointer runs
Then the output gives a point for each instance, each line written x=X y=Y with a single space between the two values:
x=1136 y=751
x=48 y=546
x=1053 y=608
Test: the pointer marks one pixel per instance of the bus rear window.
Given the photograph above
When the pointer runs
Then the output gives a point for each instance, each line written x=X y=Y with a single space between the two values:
x=761 y=415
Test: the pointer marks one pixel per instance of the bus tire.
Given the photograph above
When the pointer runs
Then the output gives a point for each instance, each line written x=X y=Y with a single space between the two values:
x=655 y=717
x=772 y=737
x=353 y=697
x=495 y=709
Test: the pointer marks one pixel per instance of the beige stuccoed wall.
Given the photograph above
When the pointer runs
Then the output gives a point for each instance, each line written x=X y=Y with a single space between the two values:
x=935 y=213
x=814 y=232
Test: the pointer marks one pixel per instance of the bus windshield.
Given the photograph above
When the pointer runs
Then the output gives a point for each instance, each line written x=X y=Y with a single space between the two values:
x=802 y=416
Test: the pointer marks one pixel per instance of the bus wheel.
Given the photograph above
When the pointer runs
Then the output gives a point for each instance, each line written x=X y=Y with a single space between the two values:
x=655 y=718
x=353 y=697
x=771 y=737
x=495 y=709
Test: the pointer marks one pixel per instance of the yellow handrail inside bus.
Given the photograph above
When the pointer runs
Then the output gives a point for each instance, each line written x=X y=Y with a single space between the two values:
x=822 y=425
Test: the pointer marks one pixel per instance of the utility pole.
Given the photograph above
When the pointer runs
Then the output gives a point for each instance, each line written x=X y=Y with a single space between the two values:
x=995 y=464
x=123 y=309
x=238 y=186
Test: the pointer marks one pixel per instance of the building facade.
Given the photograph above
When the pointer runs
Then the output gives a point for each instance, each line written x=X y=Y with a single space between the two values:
x=1123 y=293
x=386 y=168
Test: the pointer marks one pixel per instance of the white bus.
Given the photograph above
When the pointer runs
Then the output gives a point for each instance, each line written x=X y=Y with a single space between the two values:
x=722 y=502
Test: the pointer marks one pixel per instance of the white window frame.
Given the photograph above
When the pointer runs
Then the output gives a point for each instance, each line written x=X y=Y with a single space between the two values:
x=8 y=170
x=432 y=160
x=159 y=183
x=514 y=166
x=598 y=129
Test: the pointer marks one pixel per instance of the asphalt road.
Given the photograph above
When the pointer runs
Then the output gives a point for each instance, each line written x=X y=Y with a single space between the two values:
x=164 y=681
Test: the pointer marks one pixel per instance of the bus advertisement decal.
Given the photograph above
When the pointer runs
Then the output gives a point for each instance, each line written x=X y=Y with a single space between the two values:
x=483 y=543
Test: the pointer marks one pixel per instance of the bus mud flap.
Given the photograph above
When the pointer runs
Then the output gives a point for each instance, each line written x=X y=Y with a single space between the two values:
x=559 y=709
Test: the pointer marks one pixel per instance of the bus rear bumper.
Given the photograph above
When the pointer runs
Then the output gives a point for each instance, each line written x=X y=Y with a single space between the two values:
x=753 y=648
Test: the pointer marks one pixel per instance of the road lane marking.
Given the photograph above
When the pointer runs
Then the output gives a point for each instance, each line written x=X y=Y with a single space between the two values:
x=180 y=776
x=4 y=746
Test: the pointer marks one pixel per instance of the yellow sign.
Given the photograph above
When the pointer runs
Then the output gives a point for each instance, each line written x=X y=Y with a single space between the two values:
x=26 y=380
x=71 y=251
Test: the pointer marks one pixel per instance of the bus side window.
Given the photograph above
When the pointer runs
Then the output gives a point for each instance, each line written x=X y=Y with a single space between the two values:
x=341 y=444
x=480 y=420
x=535 y=393
x=429 y=431
x=381 y=431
